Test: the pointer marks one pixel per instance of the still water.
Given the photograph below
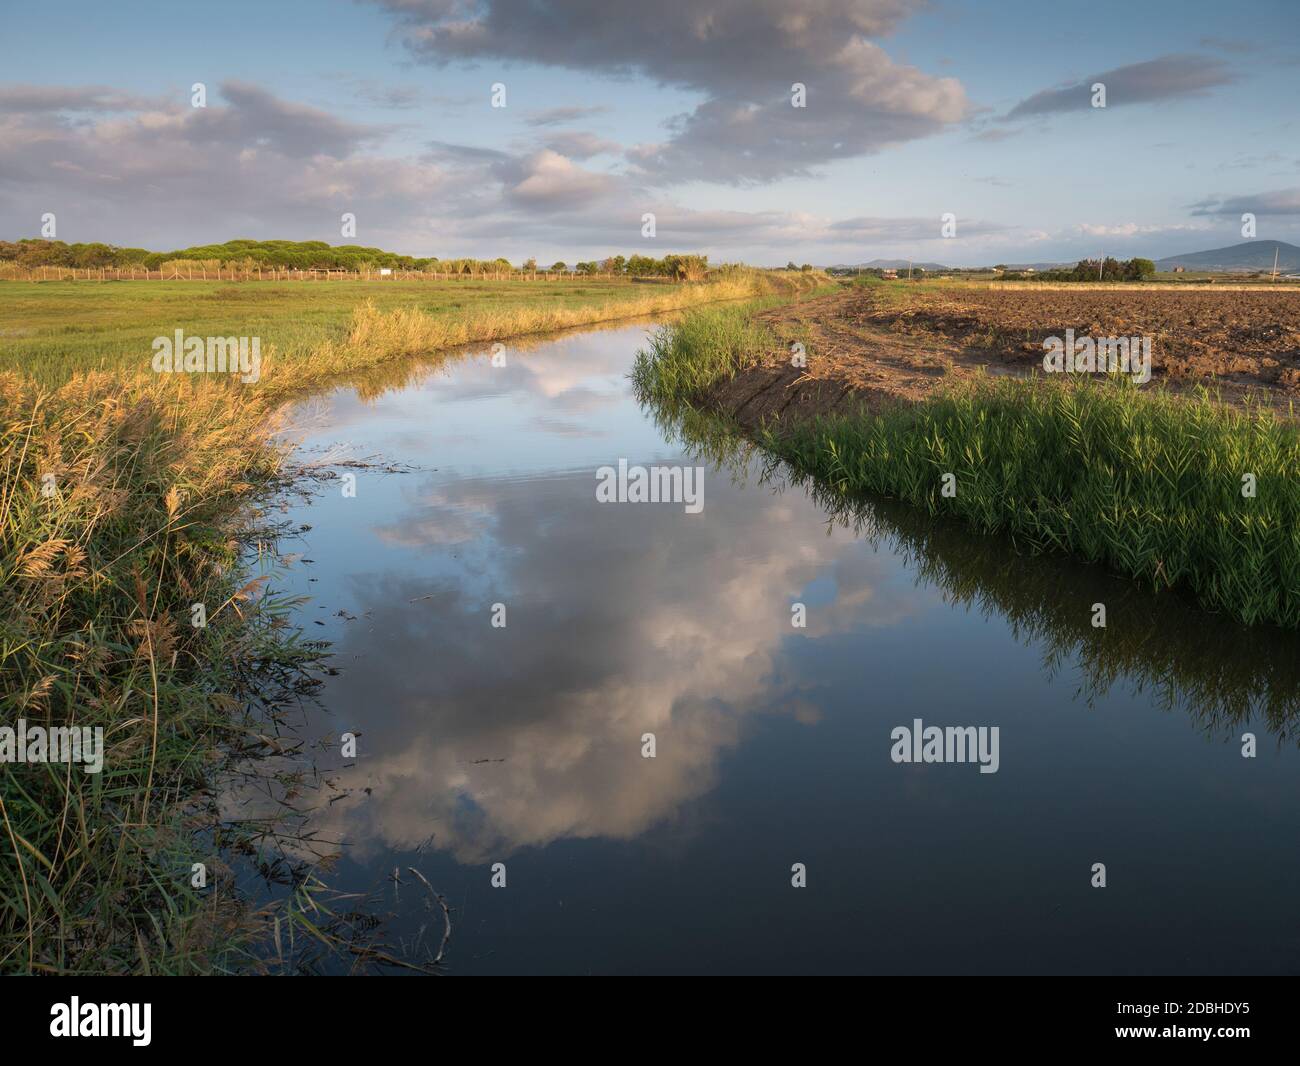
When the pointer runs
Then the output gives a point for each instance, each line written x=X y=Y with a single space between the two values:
x=522 y=745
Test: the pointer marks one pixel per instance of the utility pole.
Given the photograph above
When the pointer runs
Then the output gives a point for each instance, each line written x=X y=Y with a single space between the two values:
x=909 y=270
x=1275 y=251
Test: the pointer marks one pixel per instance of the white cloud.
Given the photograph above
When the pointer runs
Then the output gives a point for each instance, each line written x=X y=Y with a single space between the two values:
x=742 y=56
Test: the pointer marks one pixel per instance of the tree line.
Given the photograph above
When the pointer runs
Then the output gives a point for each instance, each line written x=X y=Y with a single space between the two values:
x=1107 y=269
x=681 y=267
x=317 y=255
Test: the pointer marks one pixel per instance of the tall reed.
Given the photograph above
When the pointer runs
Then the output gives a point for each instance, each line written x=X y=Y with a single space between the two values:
x=115 y=518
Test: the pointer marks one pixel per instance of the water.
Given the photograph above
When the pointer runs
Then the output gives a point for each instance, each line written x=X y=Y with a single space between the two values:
x=522 y=745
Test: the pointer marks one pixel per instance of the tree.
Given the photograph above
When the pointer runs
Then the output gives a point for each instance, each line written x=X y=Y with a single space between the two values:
x=560 y=265
x=806 y=268
x=641 y=266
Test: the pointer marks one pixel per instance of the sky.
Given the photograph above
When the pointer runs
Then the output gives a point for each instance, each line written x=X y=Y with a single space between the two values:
x=979 y=113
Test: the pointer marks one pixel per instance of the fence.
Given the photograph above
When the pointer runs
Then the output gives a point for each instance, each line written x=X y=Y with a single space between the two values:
x=14 y=272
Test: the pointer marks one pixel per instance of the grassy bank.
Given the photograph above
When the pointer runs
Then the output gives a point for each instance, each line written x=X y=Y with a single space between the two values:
x=114 y=520
x=52 y=331
x=126 y=498
x=1148 y=485
x=689 y=357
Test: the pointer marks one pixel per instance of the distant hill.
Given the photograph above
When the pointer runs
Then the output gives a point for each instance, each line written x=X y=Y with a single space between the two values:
x=901 y=264
x=1242 y=258
x=888 y=264
x=1253 y=255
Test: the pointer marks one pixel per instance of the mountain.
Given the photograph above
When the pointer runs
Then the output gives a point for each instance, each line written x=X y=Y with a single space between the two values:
x=1253 y=255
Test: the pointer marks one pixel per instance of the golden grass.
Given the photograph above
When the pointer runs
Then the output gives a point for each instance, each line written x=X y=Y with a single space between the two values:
x=375 y=336
x=114 y=509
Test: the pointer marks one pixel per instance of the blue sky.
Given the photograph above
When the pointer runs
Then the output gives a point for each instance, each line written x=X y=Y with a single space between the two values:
x=383 y=109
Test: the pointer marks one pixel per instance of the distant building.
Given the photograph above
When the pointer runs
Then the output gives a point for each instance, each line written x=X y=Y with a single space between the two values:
x=889 y=273
x=1180 y=270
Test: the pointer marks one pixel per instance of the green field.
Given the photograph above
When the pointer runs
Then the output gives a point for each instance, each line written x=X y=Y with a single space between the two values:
x=50 y=330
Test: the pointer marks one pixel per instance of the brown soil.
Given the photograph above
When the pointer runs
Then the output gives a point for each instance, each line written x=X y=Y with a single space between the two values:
x=889 y=345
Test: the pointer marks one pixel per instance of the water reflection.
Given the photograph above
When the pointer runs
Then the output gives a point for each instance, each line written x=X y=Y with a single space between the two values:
x=1211 y=667
x=480 y=745
x=619 y=622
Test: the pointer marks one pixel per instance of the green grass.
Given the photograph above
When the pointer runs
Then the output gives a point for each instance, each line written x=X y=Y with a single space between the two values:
x=51 y=330
x=706 y=346
x=1147 y=484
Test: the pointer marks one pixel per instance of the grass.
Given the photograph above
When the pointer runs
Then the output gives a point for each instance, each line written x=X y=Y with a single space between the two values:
x=1146 y=484
x=686 y=359
x=54 y=330
x=113 y=521
x=125 y=498
x=375 y=336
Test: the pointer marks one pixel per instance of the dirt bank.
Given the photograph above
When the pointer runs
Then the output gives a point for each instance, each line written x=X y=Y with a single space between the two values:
x=895 y=344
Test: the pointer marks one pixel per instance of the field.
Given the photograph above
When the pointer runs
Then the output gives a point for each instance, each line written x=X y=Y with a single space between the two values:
x=1243 y=337
x=878 y=343
x=54 y=329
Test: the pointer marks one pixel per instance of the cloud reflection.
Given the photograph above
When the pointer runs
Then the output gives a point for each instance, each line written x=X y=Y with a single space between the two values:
x=622 y=620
